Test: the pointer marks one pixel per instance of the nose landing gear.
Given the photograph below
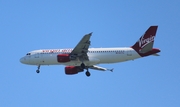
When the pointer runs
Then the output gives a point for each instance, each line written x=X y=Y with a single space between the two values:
x=38 y=71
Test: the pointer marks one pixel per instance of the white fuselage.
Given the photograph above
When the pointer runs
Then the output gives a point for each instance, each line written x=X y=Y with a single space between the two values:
x=96 y=56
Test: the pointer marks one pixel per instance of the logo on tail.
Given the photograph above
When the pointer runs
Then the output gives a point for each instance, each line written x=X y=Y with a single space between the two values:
x=144 y=41
x=144 y=46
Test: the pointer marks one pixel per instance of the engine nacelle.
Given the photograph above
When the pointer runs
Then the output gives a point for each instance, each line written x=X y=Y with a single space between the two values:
x=63 y=58
x=70 y=70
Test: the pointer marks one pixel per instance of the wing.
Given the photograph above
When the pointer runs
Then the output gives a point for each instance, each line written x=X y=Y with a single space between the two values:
x=100 y=68
x=81 y=48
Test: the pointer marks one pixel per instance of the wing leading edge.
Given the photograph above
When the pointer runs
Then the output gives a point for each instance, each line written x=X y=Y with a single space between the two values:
x=82 y=47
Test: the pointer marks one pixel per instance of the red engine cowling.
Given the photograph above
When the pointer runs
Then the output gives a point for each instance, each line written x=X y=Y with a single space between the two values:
x=70 y=70
x=63 y=58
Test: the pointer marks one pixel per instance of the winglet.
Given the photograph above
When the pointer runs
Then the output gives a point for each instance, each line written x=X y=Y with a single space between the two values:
x=100 y=68
x=90 y=33
x=110 y=69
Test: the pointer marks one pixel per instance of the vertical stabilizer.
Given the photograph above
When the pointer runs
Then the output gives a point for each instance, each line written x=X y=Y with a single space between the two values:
x=144 y=46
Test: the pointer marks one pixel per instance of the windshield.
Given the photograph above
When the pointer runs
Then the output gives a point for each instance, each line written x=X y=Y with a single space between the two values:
x=28 y=54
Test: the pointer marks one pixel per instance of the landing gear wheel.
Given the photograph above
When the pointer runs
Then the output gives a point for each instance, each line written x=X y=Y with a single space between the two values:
x=83 y=66
x=88 y=73
x=38 y=71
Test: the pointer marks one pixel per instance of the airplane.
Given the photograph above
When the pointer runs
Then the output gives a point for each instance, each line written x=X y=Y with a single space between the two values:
x=82 y=57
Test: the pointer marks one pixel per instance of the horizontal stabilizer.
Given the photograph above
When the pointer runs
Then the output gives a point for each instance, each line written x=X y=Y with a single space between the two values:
x=156 y=54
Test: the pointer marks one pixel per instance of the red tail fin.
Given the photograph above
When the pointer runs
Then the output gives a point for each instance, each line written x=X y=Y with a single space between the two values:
x=146 y=41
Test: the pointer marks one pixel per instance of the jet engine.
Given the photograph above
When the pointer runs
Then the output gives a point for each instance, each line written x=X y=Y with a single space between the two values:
x=63 y=58
x=70 y=70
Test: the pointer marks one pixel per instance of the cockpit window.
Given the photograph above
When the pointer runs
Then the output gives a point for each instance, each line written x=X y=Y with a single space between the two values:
x=28 y=54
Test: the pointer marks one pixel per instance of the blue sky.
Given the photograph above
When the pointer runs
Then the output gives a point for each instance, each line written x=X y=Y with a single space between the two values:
x=147 y=82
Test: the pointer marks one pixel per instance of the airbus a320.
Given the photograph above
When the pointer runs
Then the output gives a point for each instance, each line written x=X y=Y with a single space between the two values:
x=81 y=57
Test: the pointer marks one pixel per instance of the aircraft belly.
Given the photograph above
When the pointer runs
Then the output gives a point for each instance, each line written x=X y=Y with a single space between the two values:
x=90 y=62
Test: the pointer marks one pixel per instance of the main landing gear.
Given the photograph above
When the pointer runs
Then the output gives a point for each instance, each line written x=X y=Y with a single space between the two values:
x=87 y=72
x=38 y=71
x=83 y=66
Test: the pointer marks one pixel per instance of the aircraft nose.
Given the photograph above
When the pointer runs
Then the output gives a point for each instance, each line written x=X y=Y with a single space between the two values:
x=23 y=60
